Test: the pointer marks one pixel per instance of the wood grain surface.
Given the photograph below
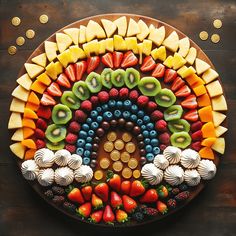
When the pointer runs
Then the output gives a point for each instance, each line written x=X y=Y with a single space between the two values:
x=22 y=212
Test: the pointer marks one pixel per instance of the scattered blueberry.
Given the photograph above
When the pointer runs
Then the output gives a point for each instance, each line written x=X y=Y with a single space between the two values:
x=145 y=134
x=80 y=143
x=80 y=151
x=134 y=108
x=156 y=150
x=126 y=114
x=154 y=142
x=107 y=115
x=94 y=125
x=148 y=148
x=99 y=119
x=153 y=134
x=85 y=127
x=150 y=126
x=133 y=118
x=117 y=113
x=94 y=114
x=150 y=157
x=83 y=134
x=86 y=160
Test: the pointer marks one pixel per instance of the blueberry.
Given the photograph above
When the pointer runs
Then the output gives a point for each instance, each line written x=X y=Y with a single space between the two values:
x=127 y=104
x=94 y=125
x=146 y=119
x=143 y=127
x=94 y=114
x=112 y=103
x=80 y=143
x=150 y=126
x=80 y=151
x=89 y=120
x=89 y=139
x=117 y=113
x=85 y=127
x=133 y=118
x=145 y=134
x=139 y=122
x=153 y=134
x=99 y=119
x=150 y=157
x=140 y=114
x=107 y=115
x=88 y=146
x=105 y=107
x=134 y=108
x=87 y=153
x=99 y=109
x=83 y=134
x=91 y=133
x=156 y=150
x=126 y=115
x=154 y=142
x=119 y=104
x=86 y=160
x=148 y=148
x=147 y=140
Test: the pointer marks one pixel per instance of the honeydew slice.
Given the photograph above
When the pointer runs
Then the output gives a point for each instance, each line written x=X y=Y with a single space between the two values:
x=151 y=27
x=82 y=34
x=147 y=47
x=17 y=105
x=219 y=145
x=191 y=56
x=24 y=81
x=121 y=24
x=63 y=41
x=132 y=44
x=33 y=70
x=157 y=35
x=18 y=135
x=214 y=88
x=119 y=43
x=40 y=60
x=219 y=103
x=109 y=26
x=50 y=50
x=20 y=93
x=220 y=130
x=178 y=61
x=209 y=75
x=65 y=58
x=184 y=46
x=76 y=53
x=172 y=42
x=15 y=121
x=73 y=33
x=133 y=28
x=91 y=47
x=94 y=30
x=168 y=61
x=218 y=118
x=184 y=71
x=201 y=66
x=144 y=30
x=159 y=53
x=18 y=149
x=109 y=44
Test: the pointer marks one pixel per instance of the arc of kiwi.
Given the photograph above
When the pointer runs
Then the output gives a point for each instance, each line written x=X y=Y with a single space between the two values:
x=165 y=98
x=55 y=146
x=132 y=77
x=61 y=114
x=55 y=133
x=178 y=126
x=117 y=78
x=106 y=77
x=180 y=139
x=173 y=113
x=149 y=86
x=93 y=82
x=69 y=99
x=81 y=90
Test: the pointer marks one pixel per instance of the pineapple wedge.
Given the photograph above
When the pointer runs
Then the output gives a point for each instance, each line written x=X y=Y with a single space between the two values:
x=63 y=41
x=109 y=26
x=132 y=44
x=140 y=51
x=201 y=66
x=220 y=130
x=133 y=28
x=15 y=121
x=51 y=70
x=184 y=46
x=119 y=43
x=172 y=42
x=157 y=35
x=50 y=50
x=40 y=60
x=102 y=46
x=65 y=58
x=209 y=75
x=219 y=145
x=94 y=30
x=168 y=61
x=91 y=47
x=18 y=135
x=219 y=103
x=109 y=44
x=74 y=34
x=186 y=71
x=191 y=56
x=24 y=81
x=76 y=53
x=159 y=53
x=18 y=149
x=218 y=118
x=121 y=24
x=82 y=34
x=33 y=70
x=214 y=88
x=17 y=105
x=144 y=30
x=58 y=67
x=20 y=93
x=178 y=61
x=147 y=47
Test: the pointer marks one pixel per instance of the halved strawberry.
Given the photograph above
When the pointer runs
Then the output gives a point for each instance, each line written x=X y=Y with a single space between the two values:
x=80 y=68
x=170 y=75
x=129 y=59
x=47 y=100
x=148 y=64
x=92 y=63
x=70 y=72
x=63 y=81
x=107 y=60
x=54 y=90
x=189 y=102
x=177 y=84
x=191 y=115
x=159 y=71
x=183 y=91
x=117 y=58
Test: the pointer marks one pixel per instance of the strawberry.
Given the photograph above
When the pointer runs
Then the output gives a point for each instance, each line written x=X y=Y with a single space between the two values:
x=107 y=60
x=162 y=207
x=54 y=90
x=47 y=100
x=96 y=201
x=44 y=112
x=150 y=196
x=92 y=63
x=189 y=102
x=63 y=81
x=87 y=192
x=40 y=143
x=148 y=64
x=84 y=210
x=163 y=191
x=159 y=71
x=121 y=216
x=80 y=68
x=183 y=91
x=197 y=136
x=170 y=75
x=114 y=181
x=177 y=84
x=117 y=58
x=196 y=126
x=70 y=72
x=41 y=124
x=129 y=204
x=125 y=186
x=129 y=60
x=116 y=200
x=196 y=146
x=96 y=216
x=137 y=188
x=75 y=195
x=191 y=115
x=108 y=215
x=102 y=191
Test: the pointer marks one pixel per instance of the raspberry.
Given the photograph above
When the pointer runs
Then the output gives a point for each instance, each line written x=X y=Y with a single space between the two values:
x=41 y=124
x=44 y=112
x=151 y=106
x=124 y=93
x=171 y=203
x=39 y=134
x=40 y=144
x=71 y=138
x=161 y=125
x=103 y=96
x=196 y=136
x=74 y=127
x=86 y=106
x=142 y=101
x=196 y=146
x=80 y=116
x=157 y=115
x=133 y=95
x=196 y=126
x=182 y=196
x=163 y=147
x=164 y=138
x=94 y=100
x=113 y=93
x=149 y=211
x=71 y=148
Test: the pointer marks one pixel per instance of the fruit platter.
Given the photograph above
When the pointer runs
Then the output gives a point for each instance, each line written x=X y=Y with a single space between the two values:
x=118 y=120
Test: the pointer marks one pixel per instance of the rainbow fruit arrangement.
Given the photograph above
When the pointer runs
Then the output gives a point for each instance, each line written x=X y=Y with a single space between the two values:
x=118 y=121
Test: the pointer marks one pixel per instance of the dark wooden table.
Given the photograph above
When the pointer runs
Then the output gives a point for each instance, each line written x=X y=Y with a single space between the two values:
x=213 y=212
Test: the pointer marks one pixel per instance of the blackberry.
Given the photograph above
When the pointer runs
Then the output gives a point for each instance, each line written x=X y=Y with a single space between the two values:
x=175 y=191
x=149 y=211
x=183 y=187
x=69 y=206
x=58 y=199
x=182 y=196
x=49 y=194
x=138 y=216
x=171 y=203
x=58 y=190
x=141 y=208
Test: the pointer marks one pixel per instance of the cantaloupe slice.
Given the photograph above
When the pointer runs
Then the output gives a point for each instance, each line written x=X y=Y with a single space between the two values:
x=219 y=103
x=18 y=149
x=199 y=90
x=121 y=24
x=194 y=80
x=208 y=130
x=209 y=75
x=208 y=142
x=82 y=34
x=17 y=105
x=119 y=43
x=40 y=60
x=29 y=143
x=20 y=93
x=63 y=41
x=28 y=123
x=32 y=106
x=29 y=154
x=159 y=53
x=204 y=100
x=207 y=153
x=28 y=113
x=191 y=56
x=33 y=98
x=214 y=88
x=51 y=50
x=24 y=81
x=38 y=87
x=220 y=130
x=109 y=26
x=205 y=114
x=168 y=61
x=201 y=66
x=27 y=132
x=184 y=46
x=44 y=78
x=172 y=42
x=15 y=121
x=218 y=118
x=219 y=145
x=157 y=35
x=18 y=135
x=33 y=70
x=73 y=33
x=144 y=30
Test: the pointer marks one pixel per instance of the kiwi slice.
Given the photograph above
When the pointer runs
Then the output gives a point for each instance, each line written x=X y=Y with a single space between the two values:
x=173 y=113
x=180 y=139
x=132 y=77
x=178 y=126
x=165 y=98
x=149 y=86
x=55 y=146
x=55 y=133
x=94 y=82
x=70 y=100
x=81 y=90
x=117 y=78
x=106 y=77
x=61 y=114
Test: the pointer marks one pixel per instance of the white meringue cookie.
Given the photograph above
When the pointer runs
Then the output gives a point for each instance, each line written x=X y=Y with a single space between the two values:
x=190 y=158
x=160 y=161
x=174 y=175
x=192 y=177
x=46 y=177
x=44 y=157
x=83 y=174
x=75 y=161
x=152 y=174
x=172 y=154
x=207 y=169
x=64 y=176
x=62 y=157
x=29 y=169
